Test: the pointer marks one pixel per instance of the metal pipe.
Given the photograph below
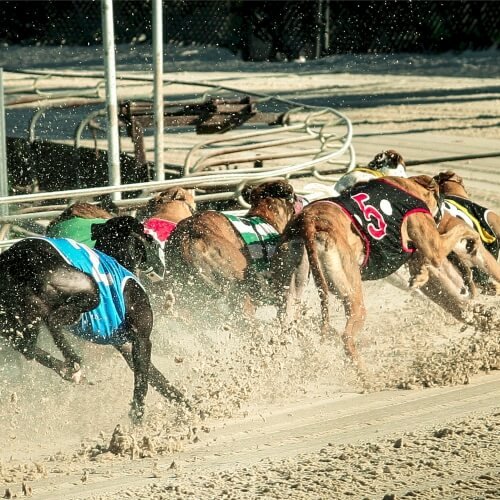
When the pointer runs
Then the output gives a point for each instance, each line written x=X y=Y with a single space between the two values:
x=251 y=135
x=203 y=168
x=4 y=178
x=203 y=162
x=84 y=123
x=158 y=88
x=8 y=243
x=229 y=177
x=34 y=119
x=111 y=96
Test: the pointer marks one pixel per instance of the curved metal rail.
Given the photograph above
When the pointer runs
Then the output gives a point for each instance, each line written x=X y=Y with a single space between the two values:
x=315 y=137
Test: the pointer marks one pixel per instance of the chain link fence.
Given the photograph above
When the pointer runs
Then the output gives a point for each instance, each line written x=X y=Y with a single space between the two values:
x=265 y=30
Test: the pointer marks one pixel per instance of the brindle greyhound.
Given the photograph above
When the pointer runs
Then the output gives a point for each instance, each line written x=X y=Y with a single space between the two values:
x=208 y=250
x=365 y=234
x=161 y=215
x=61 y=283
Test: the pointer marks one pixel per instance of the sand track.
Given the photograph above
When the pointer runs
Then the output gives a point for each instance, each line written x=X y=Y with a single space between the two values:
x=286 y=418
x=290 y=433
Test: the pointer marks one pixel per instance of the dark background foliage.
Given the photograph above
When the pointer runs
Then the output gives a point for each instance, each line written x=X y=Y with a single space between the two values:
x=265 y=29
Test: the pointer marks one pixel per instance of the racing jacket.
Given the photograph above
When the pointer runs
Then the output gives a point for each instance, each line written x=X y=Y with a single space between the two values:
x=377 y=210
x=474 y=216
x=104 y=324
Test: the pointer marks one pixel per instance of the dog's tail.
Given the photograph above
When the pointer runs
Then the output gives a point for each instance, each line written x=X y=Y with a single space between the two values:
x=310 y=243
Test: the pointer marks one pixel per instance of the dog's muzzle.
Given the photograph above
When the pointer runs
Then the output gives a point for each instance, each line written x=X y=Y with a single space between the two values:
x=154 y=264
x=438 y=216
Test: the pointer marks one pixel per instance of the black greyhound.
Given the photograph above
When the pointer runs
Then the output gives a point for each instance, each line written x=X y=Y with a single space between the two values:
x=45 y=282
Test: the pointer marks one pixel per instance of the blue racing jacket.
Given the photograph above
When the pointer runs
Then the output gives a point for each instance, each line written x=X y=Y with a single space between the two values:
x=106 y=323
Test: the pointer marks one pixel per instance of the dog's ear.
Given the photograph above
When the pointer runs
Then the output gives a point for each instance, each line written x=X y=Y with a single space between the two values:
x=174 y=194
x=395 y=158
x=272 y=189
x=449 y=175
x=427 y=182
x=170 y=194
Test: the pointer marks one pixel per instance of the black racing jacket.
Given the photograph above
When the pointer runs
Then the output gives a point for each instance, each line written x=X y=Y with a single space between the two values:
x=377 y=210
x=474 y=215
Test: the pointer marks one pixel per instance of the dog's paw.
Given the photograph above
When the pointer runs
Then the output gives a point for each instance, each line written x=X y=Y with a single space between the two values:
x=76 y=377
x=169 y=301
x=72 y=372
x=420 y=279
x=136 y=413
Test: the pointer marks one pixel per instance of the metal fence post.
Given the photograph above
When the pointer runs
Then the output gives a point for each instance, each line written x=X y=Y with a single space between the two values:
x=4 y=179
x=111 y=97
x=158 y=88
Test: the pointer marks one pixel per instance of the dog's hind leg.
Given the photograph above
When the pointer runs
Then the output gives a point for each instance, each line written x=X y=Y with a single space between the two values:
x=139 y=318
x=340 y=273
x=347 y=285
x=73 y=361
x=49 y=361
x=288 y=265
x=25 y=343
x=155 y=378
x=68 y=293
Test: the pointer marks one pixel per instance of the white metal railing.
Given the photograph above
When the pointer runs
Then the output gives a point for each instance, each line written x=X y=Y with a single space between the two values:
x=326 y=132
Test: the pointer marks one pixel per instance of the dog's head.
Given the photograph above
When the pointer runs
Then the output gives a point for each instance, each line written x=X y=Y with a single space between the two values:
x=123 y=238
x=431 y=193
x=170 y=195
x=279 y=189
x=450 y=182
x=274 y=201
x=389 y=162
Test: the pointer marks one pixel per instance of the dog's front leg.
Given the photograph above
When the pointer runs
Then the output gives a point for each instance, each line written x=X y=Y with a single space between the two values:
x=165 y=388
x=141 y=356
x=156 y=379
x=139 y=323
x=434 y=246
x=139 y=362
x=419 y=270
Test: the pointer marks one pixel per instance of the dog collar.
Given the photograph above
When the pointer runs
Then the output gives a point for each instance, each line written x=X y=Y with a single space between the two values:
x=439 y=214
x=375 y=173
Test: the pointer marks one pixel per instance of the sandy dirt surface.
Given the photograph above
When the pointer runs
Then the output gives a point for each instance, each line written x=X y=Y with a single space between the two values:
x=285 y=416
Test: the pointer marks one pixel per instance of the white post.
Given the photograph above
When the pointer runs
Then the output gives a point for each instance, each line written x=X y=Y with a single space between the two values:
x=158 y=88
x=4 y=179
x=111 y=98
